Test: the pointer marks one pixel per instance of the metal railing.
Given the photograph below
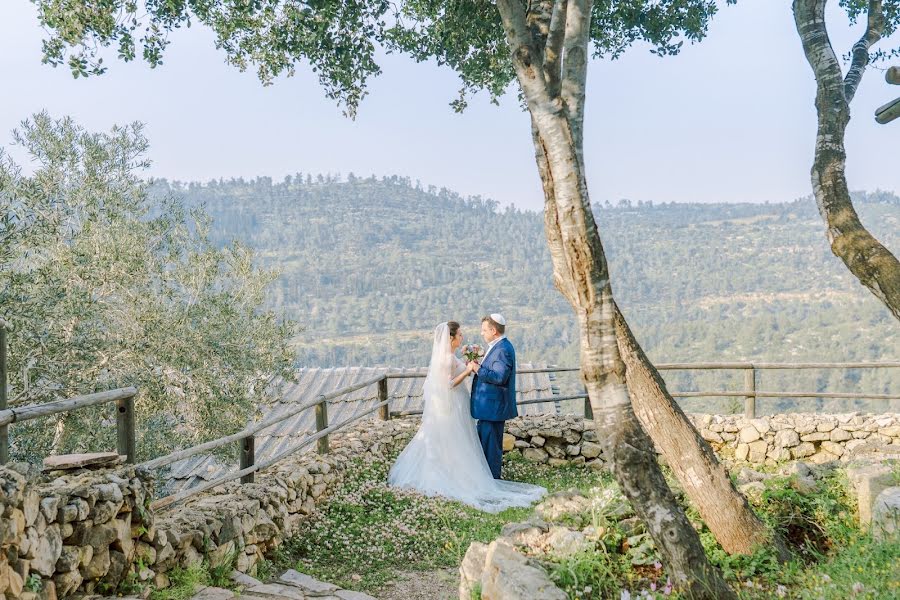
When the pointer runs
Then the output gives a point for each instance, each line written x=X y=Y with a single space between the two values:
x=246 y=438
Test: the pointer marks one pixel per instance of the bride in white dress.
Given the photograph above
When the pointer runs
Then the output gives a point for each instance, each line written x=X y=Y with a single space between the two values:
x=445 y=456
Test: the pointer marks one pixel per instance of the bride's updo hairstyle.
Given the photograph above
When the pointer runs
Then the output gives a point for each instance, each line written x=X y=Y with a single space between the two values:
x=454 y=327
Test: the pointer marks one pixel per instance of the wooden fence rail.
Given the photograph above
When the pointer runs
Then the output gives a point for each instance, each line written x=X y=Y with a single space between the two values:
x=246 y=438
x=124 y=399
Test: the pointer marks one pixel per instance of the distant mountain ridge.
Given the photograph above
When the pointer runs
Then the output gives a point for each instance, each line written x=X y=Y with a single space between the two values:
x=368 y=266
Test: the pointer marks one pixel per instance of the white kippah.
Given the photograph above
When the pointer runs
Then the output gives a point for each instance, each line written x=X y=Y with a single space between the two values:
x=498 y=319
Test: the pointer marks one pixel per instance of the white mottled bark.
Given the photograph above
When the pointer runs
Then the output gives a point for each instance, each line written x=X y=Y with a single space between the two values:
x=580 y=272
x=865 y=257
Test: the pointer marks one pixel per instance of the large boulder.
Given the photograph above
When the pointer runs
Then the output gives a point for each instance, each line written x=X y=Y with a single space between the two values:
x=563 y=503
x=868 y=480
x=46 y=552
x=886 y=514
x=590 y=449
x=524 y=534
x=562 y=542
x=471 y=569
x=508 y=575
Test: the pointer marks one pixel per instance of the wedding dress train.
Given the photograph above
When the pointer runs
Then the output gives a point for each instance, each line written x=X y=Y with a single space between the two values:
x=445 y=456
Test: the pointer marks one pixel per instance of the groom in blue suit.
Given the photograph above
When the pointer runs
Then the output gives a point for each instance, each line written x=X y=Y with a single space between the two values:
x=493 y=398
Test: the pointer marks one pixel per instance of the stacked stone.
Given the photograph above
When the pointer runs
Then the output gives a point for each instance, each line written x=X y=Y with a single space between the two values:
x=88 y=532
x=567 y=439
x=244 y=522
x=813 y=437
x=554 y=439
x=69 y=532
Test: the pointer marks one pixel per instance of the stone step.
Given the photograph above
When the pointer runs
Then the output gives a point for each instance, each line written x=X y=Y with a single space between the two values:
x=351 y=595
x=306 y=583
x=244 y=580
x=277 y=590
x=213 y=593
x=291 y=585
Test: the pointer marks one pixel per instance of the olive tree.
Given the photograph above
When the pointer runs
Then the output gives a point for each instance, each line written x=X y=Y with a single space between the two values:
x=104 y=287
x=543 y=49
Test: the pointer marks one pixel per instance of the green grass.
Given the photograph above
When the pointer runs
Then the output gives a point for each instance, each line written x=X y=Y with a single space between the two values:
x=863 y=568
x=832 y=560
x=184 y=583
x=380 y=530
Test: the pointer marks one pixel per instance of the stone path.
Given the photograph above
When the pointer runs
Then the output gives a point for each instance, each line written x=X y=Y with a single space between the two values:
x=292 y=585
x=440 y=584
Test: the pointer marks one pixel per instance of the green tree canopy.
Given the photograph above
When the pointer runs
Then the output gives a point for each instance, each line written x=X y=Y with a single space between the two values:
x=107 y=289
x=340 y=39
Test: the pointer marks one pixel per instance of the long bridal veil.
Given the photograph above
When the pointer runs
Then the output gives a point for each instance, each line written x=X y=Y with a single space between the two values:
x=445 y=456
x=437 y=382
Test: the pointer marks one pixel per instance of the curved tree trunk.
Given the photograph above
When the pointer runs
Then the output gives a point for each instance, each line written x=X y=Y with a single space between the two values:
x=706 y=482
x=708 y=485
x=871 y=263
x=537 y=40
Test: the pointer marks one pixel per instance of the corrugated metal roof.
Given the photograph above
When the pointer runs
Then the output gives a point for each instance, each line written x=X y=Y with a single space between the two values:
x=405 y=394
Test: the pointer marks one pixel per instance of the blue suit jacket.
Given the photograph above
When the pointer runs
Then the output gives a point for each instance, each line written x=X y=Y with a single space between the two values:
x=494 y=387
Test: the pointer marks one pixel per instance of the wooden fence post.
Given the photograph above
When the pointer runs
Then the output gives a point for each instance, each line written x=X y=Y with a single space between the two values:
x=4 y=429
x=322 y=423
x=248 y=457
x=384 y=413
x=125 y=428
x=750 y=385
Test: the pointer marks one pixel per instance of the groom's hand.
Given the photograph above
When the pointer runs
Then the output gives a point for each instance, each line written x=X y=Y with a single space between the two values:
x=473 y=366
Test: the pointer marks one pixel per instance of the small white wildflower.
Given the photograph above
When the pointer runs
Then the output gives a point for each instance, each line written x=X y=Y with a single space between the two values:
x=781 y=591
x=625 y=595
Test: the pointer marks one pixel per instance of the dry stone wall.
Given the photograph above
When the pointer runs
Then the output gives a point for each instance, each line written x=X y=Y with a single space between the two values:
x=56 y=534
x=567 y=439
x=92 y=531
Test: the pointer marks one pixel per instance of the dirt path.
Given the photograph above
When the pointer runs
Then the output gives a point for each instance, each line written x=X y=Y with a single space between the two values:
x=442 y=584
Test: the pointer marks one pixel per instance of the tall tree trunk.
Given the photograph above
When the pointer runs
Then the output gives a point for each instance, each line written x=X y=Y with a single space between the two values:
x=580 y=272
x=871 y=263
x=705 y=481
x=708 y=485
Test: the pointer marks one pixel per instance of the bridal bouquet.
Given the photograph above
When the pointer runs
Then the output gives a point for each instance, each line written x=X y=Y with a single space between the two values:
x=472 y=352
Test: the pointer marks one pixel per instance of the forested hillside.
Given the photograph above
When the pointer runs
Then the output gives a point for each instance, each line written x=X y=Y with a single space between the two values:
x=368 y=266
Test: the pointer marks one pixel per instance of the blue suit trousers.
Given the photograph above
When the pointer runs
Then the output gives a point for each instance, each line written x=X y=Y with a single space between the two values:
x=491 y=435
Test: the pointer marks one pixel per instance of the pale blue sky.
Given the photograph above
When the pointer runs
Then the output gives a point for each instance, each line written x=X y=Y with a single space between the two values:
x=731 y=119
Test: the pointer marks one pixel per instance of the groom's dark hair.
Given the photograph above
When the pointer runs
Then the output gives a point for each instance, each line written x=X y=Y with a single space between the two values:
x=500 y=328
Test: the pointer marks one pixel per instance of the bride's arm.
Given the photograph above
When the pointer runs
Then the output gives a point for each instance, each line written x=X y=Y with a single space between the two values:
x=459 y=379
x=455 y=381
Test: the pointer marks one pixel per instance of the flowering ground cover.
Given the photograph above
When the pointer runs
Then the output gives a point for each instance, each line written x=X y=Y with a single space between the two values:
x=368 y=531
x=368 y=534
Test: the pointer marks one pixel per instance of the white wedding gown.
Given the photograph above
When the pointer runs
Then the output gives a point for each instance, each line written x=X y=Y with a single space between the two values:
x=445 y=456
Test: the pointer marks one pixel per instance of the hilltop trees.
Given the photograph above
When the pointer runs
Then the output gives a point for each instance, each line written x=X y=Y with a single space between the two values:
x=544 y=47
